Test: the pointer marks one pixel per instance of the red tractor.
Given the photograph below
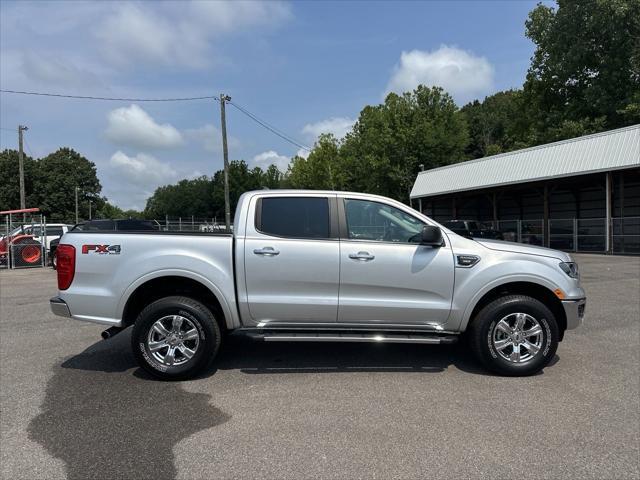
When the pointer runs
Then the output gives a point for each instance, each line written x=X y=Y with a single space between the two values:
x=28 y=251
x=20 y=243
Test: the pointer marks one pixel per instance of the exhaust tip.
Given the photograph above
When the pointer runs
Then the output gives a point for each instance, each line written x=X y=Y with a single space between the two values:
x=110 y=332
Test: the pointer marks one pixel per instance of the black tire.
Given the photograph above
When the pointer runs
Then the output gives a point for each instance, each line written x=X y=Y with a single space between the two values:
x=483 y=329
x=54 y=259
x=193 y=312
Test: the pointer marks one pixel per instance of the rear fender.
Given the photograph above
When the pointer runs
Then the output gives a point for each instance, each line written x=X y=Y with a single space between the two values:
x=228 y=311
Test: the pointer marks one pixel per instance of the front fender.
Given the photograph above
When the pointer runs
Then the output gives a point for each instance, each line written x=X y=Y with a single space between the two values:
x=474 y=283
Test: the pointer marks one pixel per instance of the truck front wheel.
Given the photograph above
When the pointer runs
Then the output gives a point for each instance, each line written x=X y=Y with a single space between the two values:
x=515 y=335
x=175 y=338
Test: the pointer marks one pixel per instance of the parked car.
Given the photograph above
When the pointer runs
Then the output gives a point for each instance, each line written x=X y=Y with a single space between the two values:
x=122 y=224
x=313 y=266
x=473 y=229
x=31 y=239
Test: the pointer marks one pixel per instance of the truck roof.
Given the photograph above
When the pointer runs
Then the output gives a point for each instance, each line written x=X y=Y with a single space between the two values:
x=290 y=191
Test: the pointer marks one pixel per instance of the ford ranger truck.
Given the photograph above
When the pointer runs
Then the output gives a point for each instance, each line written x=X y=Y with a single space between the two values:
x=316 y=266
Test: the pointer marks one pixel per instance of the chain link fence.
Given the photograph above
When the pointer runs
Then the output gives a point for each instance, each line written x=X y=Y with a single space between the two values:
x=23 y=241
x=191 y=224
x=575 y=234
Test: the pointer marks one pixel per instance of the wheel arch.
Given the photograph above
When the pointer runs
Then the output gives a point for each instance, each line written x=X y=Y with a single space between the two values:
x=531 y=289
x=171 y=284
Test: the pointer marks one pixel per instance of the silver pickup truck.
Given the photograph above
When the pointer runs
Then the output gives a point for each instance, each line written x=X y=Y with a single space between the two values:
x=315 y=266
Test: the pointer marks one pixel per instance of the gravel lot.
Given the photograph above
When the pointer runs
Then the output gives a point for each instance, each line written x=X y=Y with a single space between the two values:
x=75 y=406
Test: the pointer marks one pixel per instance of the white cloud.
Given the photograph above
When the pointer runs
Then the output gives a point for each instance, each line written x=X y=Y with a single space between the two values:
x=181 y=33
x=134 y=127
x=133 y=179
x=225 y=17
x=211 y=138
x=51 y=69
x=461 y=73
x=142 y=170
x=132 y=34
x=338 y=126
x=264 y=159
x=303 y=153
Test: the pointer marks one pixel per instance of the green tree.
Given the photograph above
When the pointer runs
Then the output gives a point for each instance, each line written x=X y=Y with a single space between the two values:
x=10 y=183
x=108 y=210
x=321 y=170
x=272 y=178
x=50 y=184
x=390 y=141
x=186 y=198
x=204 y=196
x=585 y=71
x=241 y=179
x=496 y=125
x=57 y=176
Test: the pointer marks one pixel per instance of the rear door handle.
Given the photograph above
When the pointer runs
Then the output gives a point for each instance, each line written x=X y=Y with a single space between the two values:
x=268 y=251
x=361 y=256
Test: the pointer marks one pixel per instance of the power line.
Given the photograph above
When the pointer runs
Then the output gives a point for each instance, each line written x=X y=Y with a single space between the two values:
x=87 y=97
x=272 y=129
x=28 y=148
x=253 y=117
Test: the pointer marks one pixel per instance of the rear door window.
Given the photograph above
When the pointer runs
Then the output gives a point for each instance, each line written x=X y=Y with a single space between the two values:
x=294 y=217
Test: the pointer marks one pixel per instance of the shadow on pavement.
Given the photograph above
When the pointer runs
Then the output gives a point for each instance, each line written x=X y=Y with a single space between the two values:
x=106 y=418
x=105 y=421
x=255 y=357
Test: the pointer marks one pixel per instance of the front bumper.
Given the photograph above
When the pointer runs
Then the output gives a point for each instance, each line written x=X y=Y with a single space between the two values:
x=574 y=310
x=59 y=307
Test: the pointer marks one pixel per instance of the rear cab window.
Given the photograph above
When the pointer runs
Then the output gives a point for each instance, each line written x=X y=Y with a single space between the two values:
x=294 y=217
x=54 y=231
x=96 y=225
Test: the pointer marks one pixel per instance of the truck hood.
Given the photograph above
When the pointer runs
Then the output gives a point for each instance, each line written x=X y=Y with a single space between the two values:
x=513 y=247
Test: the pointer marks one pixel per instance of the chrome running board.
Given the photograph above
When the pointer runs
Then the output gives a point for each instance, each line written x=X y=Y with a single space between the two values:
x=370 y=337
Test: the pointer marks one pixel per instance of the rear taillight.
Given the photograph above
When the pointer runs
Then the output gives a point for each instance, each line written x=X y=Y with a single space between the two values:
x=66 y=265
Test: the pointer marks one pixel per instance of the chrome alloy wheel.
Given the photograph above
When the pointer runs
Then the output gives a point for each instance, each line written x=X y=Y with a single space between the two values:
x=517 y=337
x=173 y=340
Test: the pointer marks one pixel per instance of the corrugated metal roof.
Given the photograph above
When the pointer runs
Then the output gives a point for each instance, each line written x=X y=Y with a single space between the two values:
x=604 y=151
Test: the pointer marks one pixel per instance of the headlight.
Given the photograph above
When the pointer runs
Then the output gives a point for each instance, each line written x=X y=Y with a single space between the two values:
x=570 y=268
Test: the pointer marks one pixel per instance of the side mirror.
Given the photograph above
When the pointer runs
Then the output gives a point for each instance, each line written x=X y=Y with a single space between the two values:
x=431 y=235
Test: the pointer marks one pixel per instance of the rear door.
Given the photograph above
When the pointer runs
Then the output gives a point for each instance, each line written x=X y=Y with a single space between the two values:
x=386 y=276
x=292 y=260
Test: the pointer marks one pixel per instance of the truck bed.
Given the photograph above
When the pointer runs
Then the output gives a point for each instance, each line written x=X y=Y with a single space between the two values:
x=110 y=266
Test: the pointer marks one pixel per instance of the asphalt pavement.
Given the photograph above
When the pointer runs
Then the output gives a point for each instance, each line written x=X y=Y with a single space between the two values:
x=75 y=406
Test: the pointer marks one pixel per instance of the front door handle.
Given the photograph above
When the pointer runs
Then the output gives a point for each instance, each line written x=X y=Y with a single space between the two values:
x=268 y=251
x=361 y=256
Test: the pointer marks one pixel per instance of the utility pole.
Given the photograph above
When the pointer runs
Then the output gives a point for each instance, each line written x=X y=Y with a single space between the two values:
x=223 y=121
x=21 y=128
x=89 y=209
x=76 y=205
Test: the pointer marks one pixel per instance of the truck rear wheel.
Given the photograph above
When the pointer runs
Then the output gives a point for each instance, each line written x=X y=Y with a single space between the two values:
x=515 y=335
x=175 y=338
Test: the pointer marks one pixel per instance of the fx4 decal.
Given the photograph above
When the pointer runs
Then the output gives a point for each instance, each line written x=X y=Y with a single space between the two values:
x=102 y=249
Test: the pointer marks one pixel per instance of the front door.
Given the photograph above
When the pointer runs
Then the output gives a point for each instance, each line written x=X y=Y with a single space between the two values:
x=386 y=276
x=292 y=260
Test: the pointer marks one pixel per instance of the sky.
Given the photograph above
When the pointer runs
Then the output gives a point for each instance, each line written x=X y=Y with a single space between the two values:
x=304 y=67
